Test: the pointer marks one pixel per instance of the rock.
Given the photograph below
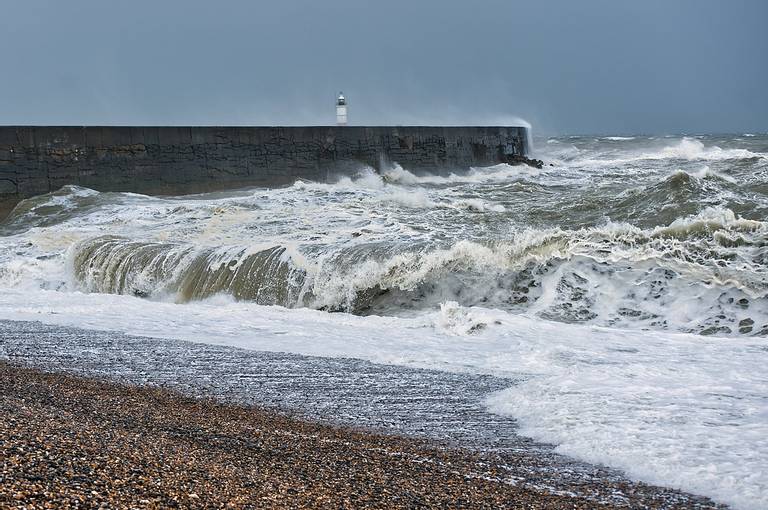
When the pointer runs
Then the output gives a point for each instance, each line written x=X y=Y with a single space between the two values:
x=516 y=159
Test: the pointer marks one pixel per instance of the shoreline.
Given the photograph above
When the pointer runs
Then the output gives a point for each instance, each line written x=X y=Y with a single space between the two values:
x=71 y=440
x=438 y=411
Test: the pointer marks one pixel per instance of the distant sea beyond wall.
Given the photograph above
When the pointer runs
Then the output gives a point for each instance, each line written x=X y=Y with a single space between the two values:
x=181 y=160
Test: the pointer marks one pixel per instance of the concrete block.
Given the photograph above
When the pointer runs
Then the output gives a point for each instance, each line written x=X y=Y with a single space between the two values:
x=195 y=159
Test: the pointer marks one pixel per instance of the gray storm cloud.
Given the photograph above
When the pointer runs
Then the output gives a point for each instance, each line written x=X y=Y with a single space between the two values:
x=567 y=67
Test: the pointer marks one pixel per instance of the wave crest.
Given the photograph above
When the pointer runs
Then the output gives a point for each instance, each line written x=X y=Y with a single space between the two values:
x=713 y=264
x=120 y=266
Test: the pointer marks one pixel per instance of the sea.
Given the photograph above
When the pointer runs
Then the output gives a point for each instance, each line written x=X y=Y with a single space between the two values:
x=624 y=286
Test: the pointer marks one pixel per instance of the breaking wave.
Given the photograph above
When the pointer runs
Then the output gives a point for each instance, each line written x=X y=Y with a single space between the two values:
x=690 y=149
x=120 y=266
x=686 y=149
x=617 y=247
x=711 y=269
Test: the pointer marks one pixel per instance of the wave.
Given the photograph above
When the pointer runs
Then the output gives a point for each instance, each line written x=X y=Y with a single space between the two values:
x=707 y=173
x=398 y=243
x=497 y=173
x=393 y=180
x=477 y=205
x=687 y=149
x=690 y=149
x=368 y=178
x=663 y=197
x=399 y=186
x=706 y=273
x=116 y=265
x=51 y=208
x=692 y=179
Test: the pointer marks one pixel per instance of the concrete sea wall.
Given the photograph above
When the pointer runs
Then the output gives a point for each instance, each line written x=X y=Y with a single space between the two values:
x=180 y=160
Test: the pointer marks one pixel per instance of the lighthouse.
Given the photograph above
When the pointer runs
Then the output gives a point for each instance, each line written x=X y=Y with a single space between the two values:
x=341 y=110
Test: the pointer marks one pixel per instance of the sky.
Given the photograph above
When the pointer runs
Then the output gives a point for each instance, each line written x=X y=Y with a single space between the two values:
x=567 y=67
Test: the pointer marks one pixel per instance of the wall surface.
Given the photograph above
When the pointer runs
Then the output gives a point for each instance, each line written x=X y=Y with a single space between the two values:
x=179 y=160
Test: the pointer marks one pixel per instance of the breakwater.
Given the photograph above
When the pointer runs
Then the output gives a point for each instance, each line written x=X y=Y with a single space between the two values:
x=180 y=160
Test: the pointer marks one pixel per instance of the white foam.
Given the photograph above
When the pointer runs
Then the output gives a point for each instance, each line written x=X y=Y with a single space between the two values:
x=662 y=409
x=496 y=173
x=688 y=149
x=415 y=198
x=675 y=409
x=394 y=181
x=477 y=205
x=613 y=274
x=457 y=320
x=705 y=172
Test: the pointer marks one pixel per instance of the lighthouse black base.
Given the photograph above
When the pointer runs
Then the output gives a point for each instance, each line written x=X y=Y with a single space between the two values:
x=177 y=160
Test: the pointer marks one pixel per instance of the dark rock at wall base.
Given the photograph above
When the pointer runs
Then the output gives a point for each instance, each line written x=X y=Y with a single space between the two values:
x=517 y=159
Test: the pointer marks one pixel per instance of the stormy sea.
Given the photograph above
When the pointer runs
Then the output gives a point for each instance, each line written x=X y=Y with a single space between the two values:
x=624 y=287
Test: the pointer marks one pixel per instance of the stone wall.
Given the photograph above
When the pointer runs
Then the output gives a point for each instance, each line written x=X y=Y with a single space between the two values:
x=179 y=160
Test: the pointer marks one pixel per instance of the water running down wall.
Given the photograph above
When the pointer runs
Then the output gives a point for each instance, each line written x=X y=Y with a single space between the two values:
x=179 y=160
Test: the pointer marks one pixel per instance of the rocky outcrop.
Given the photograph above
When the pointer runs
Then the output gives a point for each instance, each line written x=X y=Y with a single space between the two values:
x=519 y=159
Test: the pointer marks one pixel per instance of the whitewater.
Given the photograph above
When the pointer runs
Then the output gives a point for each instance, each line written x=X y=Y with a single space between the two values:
x=625 y=285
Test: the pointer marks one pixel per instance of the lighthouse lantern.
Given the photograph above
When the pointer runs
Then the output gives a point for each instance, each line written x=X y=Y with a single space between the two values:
x=341 y=110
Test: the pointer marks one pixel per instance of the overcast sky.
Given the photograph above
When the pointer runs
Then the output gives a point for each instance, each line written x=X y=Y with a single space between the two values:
x=589 y=66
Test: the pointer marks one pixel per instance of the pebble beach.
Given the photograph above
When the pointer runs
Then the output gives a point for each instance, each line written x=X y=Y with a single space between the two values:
x=72 y=442
x=98 y=419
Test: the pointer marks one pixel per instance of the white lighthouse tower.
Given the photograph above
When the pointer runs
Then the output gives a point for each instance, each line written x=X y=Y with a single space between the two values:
x=341 y=110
